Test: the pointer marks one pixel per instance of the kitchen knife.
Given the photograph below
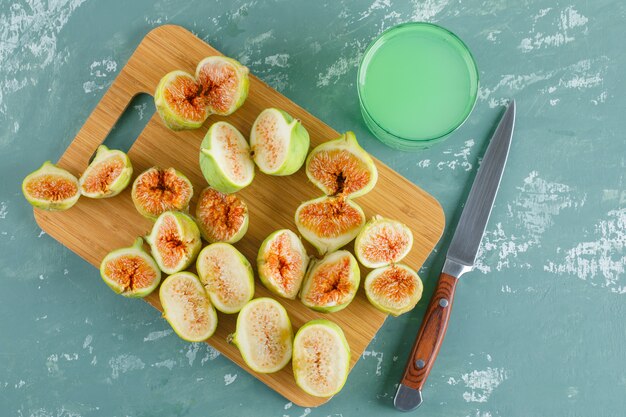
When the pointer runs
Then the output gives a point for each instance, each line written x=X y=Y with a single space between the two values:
x=459 y=259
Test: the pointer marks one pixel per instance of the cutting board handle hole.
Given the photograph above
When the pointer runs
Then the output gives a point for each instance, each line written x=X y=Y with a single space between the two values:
x=130 y=123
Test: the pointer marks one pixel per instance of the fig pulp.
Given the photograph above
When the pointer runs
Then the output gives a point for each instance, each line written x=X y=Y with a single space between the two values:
x=107 y=175
x=227 y=277
x=51 y=188
x=224 y=84
x=328 y=223
x=393 y=289
x=225 y=158
x=321 y=358
x=264 y=335
x=331 y=283
x=130 y=271
x=279 y=142
x=341 y=167
x=221 y=217
x=282 y=262
x=382 y=242
x=157 y=190
x=220 y=86
x=179 y=101
x=187 y=308
x=175 y=241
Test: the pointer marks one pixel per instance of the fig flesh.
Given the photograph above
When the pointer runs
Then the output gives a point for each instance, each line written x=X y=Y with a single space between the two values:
x=179 y=101
x=393 y=289
x=157 y=190
x=225 y=158
x=224 y=84
x=51 y=188
x=227 y=277
x=175 y=241
x=187 y=308
x=282 y=262
x=341 y=167
x=328 y=223
x=279 y=142
x=321 y=358
x=131 y=271
x=107 y=175
x=221 y=217
x=264 y=335
x=382 y=242
x=331 y=283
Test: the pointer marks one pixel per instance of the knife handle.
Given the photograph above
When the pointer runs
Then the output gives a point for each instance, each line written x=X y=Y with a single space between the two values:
x=431 y=333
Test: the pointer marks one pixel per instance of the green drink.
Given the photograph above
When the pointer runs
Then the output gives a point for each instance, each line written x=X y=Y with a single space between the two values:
x=417 y=83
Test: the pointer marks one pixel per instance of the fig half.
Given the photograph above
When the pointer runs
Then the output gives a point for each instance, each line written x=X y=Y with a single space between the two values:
x=328 y=223
x=221 y=217
x=331 y=283
x=341 y=167
x=393 y=289
x=157 y=190
x=321 y=358
x=282 y=262
x=382 y=242
x=179 y=101
x=223 y=84
x=187 y=308
x=279 y=142
x=107 y=175
x=130 y=271
x=175 y=241
x=264 y=335
x=225 y=158
x=227 y=277
x=51 y=188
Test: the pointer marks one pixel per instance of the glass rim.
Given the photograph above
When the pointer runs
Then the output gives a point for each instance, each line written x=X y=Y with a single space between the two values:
x=369 y=49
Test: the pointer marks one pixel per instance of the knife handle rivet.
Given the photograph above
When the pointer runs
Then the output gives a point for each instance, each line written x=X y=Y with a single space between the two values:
x=444 y=302
x=420 y=364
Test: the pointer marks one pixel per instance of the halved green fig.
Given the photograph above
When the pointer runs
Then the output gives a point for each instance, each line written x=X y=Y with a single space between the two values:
x=331 y=283
x=225 y=158
x=51 y=188
x=393 y=289
x=130 y=271
x=341 y=167
x=279 y=142
x=328 y=223
x=157 y=190
x=221 y=217
x=187 y=307
x=224 y=84
x=107 y=175
x=179 y=101
x=282 y=262
x=382 y=242
x=264 y=335
x=321 y=358
x=227 y=277
x=175 y=241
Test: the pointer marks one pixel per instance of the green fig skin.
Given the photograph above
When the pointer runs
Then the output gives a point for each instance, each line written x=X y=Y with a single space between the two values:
x=299 y=353
x=135 y=250
x=211 y=165
x=297 y=144
x=48 y=168
x=102 y=154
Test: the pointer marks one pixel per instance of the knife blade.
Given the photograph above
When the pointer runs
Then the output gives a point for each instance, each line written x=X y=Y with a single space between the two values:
x=460 y=258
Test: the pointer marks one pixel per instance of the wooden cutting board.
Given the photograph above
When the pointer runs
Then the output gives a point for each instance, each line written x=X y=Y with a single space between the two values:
x=92 y=228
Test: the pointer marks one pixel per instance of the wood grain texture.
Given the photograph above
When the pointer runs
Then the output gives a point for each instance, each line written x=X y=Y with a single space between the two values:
x=92 y=228
x=431 y=333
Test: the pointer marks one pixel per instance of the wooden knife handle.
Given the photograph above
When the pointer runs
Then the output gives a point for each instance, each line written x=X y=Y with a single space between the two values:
x=431 y=333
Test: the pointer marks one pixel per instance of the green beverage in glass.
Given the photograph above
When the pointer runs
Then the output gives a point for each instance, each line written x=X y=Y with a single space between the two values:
x=417 y=83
